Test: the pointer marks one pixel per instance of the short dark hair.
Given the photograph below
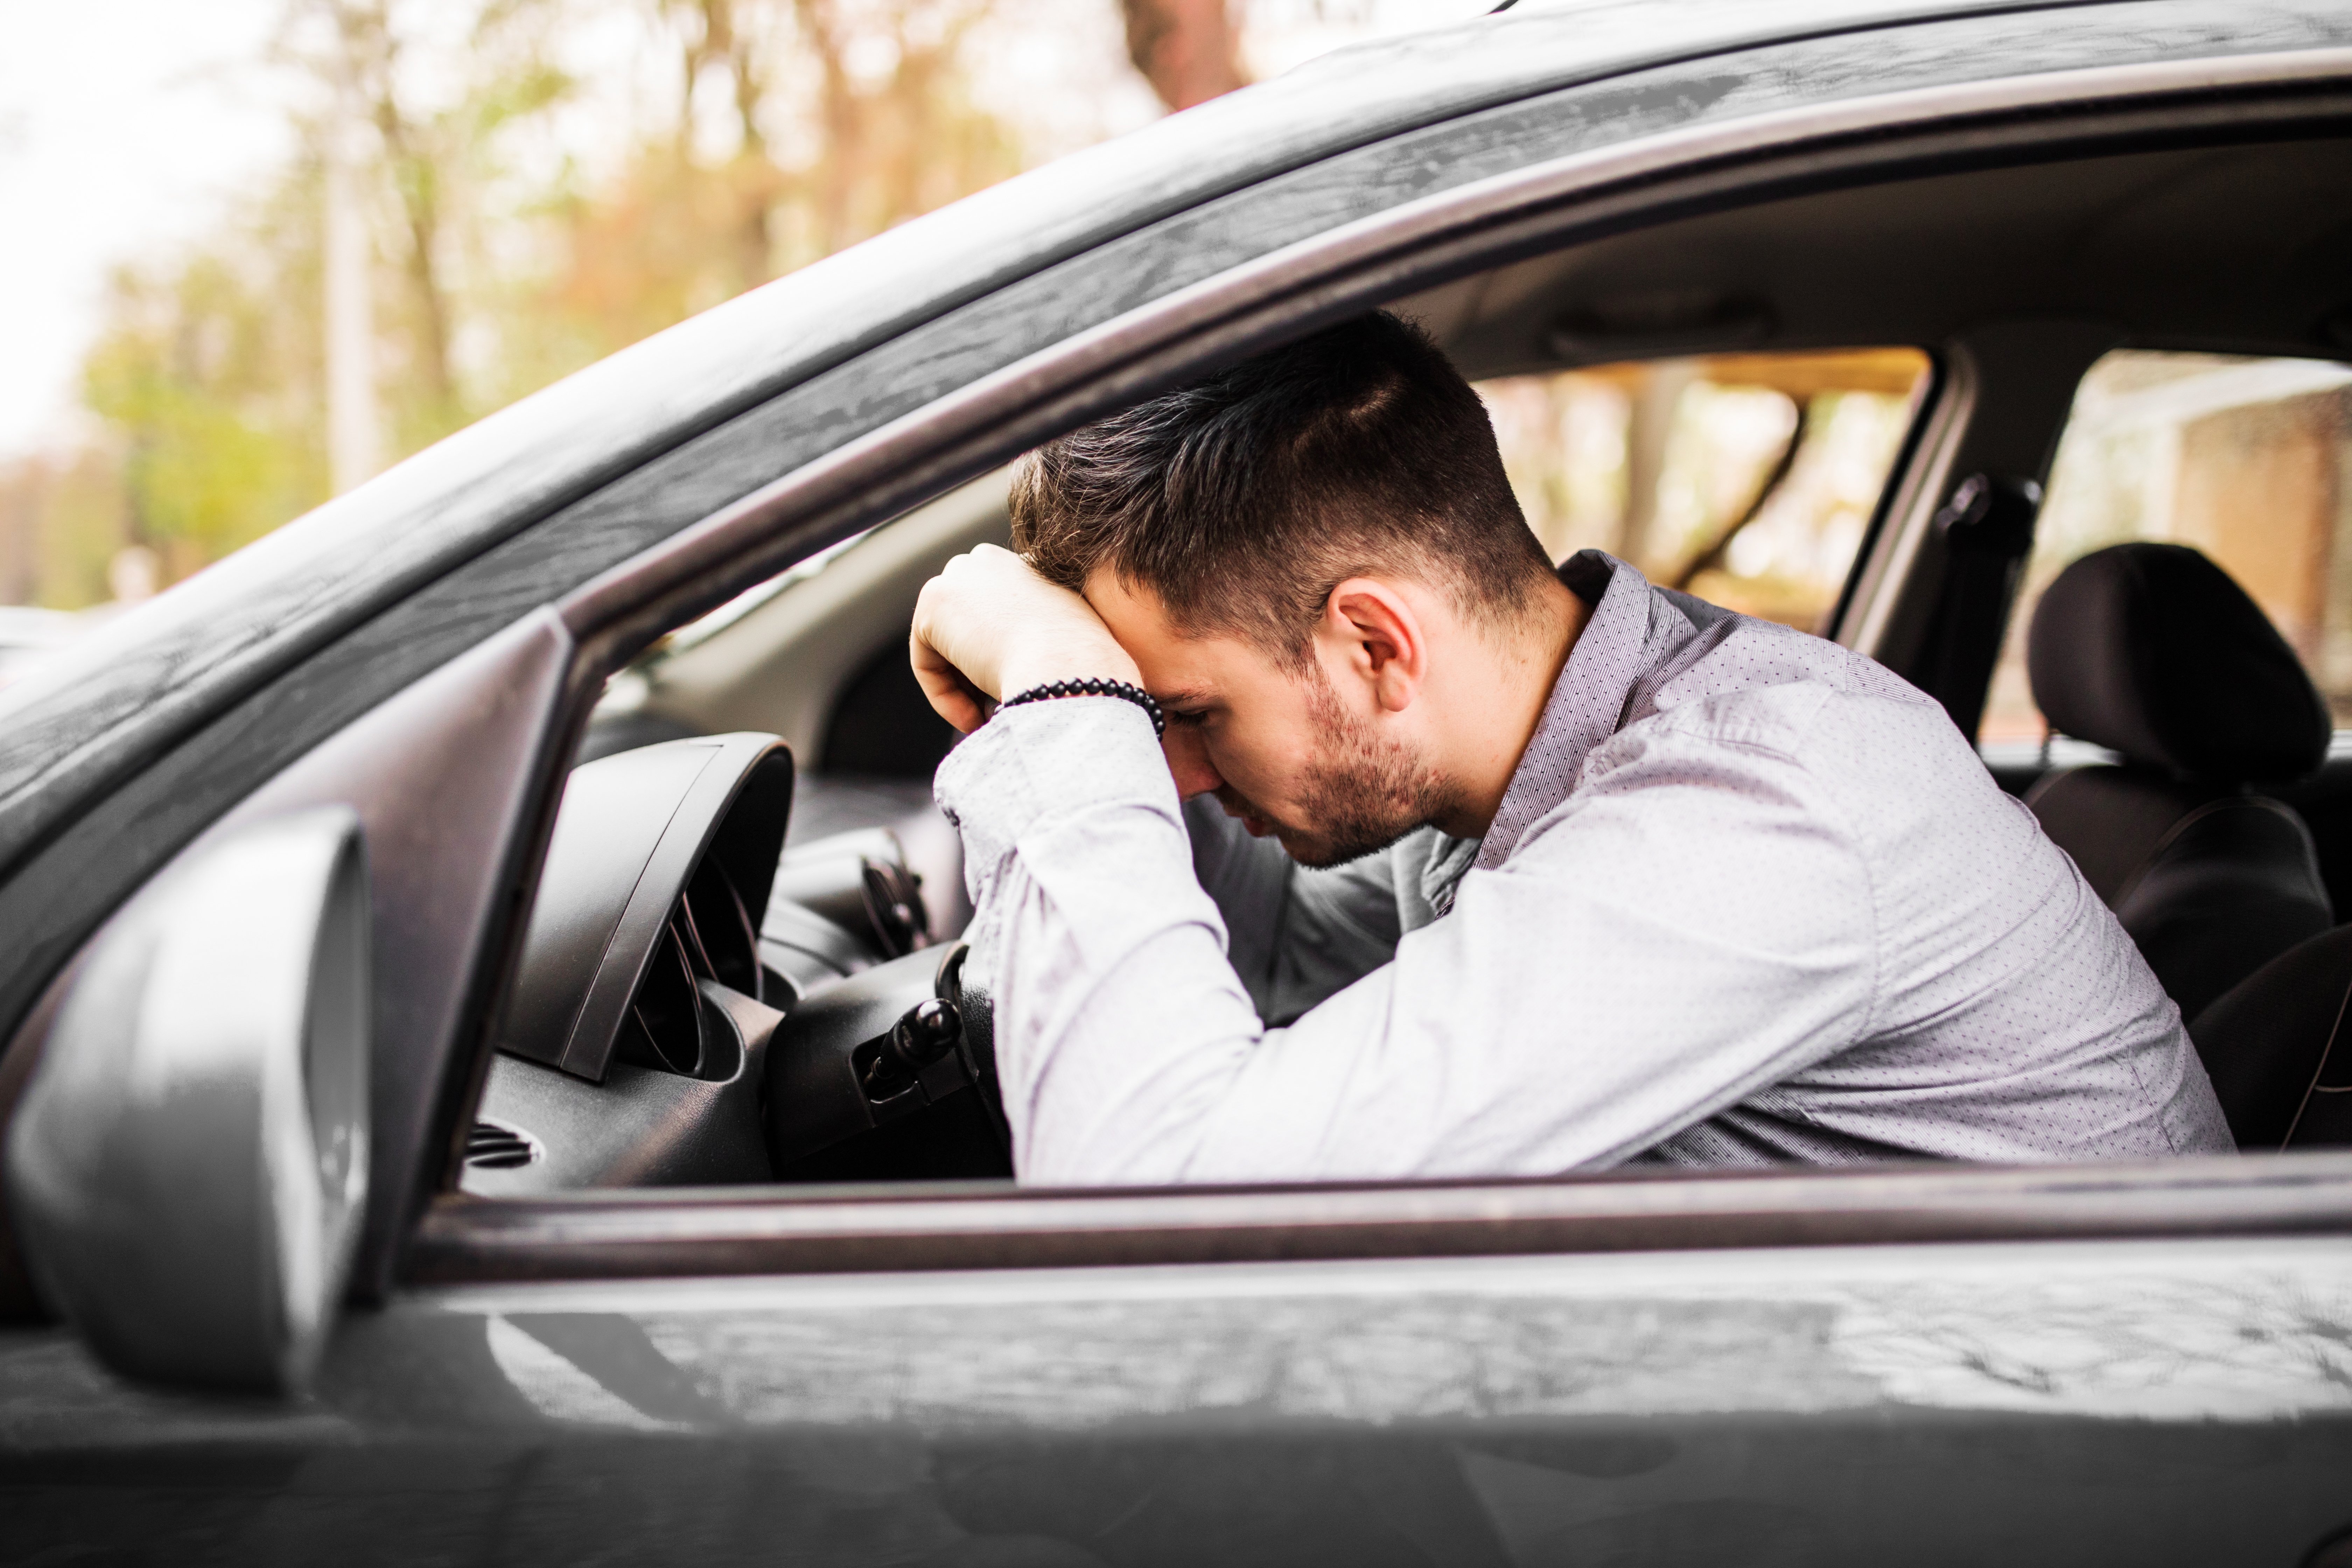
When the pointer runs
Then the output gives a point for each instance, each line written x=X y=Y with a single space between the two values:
x=1243 y=499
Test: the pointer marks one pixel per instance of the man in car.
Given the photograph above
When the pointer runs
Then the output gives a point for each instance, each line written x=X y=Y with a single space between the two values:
x=1516 y=870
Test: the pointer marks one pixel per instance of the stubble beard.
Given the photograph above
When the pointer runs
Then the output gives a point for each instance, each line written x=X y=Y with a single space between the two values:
x=1362 y=793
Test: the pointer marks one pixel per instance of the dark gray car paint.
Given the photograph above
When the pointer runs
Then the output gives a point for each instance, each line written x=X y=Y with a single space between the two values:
x=96 y=861
x=2181 y=1401
x=2162 y=1403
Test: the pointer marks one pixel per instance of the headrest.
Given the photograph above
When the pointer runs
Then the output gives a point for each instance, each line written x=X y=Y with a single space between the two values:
x=2153 y=651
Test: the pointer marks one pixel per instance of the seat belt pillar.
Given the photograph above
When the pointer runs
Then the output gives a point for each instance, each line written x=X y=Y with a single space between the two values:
x=1987 y=529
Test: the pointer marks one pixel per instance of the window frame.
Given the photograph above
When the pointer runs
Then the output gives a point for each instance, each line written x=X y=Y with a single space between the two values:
x=1539 y=207
x=1925 y=392
x=772 y=1230
x=2026 y=599
x=725 y=1231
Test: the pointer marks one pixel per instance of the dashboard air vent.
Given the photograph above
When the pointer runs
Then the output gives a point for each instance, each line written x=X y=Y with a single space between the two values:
x=495 y=1146
x=710 y=936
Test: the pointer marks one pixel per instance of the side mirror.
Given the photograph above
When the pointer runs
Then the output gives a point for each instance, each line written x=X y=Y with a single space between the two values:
x=190 y=1160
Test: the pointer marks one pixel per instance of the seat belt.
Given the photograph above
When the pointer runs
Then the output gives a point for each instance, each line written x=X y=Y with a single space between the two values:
x=2319 y=1071
x=1988 y=530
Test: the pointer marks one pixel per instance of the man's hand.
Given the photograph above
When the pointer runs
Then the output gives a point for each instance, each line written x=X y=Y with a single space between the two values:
x=988 y=626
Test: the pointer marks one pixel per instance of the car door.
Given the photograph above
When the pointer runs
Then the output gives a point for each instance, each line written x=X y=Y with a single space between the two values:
x=1779 y=1368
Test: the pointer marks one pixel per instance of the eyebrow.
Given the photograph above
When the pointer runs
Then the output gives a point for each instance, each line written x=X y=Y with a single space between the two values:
x=1183 y=697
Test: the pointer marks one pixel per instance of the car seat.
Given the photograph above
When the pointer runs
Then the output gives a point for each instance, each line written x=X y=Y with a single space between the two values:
x=2153 y=652
x=2273 y=1046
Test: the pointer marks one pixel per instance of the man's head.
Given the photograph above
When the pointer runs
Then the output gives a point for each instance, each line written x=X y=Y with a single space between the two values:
x=1314 y=556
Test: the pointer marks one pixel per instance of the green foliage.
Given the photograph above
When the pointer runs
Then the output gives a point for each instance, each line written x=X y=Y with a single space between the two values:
x=210 y=385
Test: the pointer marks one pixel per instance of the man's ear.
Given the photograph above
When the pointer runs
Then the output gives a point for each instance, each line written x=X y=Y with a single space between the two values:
x=1379 y=638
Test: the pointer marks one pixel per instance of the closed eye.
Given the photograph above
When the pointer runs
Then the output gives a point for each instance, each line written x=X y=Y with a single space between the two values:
x=1191 y=707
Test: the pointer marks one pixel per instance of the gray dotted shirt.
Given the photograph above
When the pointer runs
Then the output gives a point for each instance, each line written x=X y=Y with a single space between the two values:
x=1749 y=899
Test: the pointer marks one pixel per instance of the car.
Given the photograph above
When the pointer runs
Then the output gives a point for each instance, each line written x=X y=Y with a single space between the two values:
x=488 y=1072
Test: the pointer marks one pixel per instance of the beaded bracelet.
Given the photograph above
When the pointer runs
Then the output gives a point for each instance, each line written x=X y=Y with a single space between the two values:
x=1093 y=686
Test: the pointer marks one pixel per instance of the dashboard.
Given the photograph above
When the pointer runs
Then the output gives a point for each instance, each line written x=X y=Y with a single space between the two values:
x=697 y=1005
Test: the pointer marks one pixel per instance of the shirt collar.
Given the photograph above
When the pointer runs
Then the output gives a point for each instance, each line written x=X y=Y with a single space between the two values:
x=1631 y=630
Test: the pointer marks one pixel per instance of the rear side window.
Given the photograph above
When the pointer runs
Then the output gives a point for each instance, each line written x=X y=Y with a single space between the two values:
x=1748 y=479
x=2249 y=460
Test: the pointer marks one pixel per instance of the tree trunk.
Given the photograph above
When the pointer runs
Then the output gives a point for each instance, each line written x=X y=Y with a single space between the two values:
x=838 y=169
x=1189 y=50
x=366 y=71
x=420 y=201
x=749 y=186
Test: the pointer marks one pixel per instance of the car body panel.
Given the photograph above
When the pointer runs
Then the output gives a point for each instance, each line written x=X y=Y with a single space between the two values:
x=2152 y=1403
x=1695 y=1399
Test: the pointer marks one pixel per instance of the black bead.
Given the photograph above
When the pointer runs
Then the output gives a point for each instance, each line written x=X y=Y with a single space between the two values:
x=1095 y=686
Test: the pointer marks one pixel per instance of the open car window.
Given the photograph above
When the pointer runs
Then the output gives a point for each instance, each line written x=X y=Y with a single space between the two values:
x=1749 y=480
x=2246 y=460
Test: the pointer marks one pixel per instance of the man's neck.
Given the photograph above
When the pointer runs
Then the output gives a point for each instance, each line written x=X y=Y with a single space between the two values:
x=1492 y=727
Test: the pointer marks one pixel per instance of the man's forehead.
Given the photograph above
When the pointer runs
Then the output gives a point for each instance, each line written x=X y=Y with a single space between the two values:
x=1106 y=588
x=1180 y=666
x=1133 y=611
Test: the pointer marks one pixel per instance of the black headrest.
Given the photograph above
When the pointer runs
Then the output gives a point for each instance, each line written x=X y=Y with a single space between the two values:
x=2153 y=651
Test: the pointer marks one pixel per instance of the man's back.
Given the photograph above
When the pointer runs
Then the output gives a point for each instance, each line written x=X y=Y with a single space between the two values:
x=2009 y=1016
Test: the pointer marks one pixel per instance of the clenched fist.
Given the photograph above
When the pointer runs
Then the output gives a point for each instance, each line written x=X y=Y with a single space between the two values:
x=988 y=626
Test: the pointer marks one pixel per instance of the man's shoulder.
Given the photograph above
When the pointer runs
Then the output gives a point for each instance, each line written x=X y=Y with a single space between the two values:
x=1758 y=685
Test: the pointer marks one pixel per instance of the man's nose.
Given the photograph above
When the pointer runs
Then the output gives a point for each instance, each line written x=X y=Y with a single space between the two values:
x=1188 y=759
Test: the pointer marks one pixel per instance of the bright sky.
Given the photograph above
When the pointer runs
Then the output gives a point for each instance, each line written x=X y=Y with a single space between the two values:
x=128 y=125
x=122 y=126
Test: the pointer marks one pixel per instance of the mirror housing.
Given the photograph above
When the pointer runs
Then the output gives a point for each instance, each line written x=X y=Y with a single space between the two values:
x=189 y=1164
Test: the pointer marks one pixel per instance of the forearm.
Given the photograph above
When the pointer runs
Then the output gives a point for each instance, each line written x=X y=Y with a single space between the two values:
x=1119 y=1021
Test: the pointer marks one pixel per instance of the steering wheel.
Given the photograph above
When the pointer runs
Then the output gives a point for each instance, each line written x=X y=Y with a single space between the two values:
x=889 y=1073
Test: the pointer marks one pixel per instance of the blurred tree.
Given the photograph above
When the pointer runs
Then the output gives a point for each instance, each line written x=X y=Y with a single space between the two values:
x=61 y=522
x=510 y=246
x=1189 y=50
x=361 y=67
x=209 y=385
x=802 y=127
x=724 y=42
x=439 y=123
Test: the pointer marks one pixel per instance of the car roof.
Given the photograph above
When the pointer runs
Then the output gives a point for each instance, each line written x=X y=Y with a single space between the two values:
x=107 y=706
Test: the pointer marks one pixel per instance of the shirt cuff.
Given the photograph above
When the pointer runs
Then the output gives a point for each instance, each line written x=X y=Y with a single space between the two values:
x=1047 y=760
